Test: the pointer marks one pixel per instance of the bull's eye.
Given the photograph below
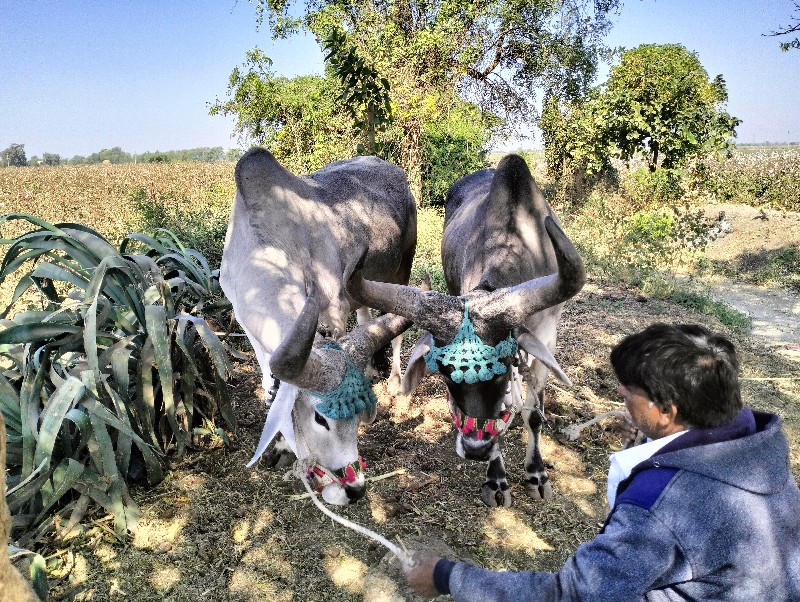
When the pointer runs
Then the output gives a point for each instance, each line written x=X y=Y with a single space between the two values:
x=320 y=419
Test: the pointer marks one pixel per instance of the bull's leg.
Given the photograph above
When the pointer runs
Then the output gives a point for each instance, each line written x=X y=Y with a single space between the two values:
x=495 y=491
x=537 y=482
x=363 y=316
x=280 y=455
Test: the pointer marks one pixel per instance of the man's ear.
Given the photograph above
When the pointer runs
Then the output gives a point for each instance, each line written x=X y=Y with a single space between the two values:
x=669 y=415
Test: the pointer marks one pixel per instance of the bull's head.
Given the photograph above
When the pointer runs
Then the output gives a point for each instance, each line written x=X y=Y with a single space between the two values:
x=323 y=398
x=473 y=340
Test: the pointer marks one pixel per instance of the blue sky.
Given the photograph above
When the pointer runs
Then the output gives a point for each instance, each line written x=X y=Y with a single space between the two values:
x=77 y=77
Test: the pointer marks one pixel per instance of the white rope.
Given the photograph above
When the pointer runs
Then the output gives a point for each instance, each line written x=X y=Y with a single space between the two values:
x=401 y=554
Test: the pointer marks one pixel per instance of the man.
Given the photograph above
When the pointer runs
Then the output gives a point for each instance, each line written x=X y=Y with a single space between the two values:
x=706 y=510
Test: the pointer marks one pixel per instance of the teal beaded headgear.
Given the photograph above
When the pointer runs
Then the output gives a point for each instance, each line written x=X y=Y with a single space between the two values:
x=353 y=395
x=471 y=359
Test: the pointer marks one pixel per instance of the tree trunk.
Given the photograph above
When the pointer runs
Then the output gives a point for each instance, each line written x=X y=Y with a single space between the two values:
x=411 y=157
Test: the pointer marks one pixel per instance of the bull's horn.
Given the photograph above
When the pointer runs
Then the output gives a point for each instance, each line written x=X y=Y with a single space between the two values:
x=363 y=342
x=294 y=361
x=367 y=339
x=513 y=305
x=427 y=309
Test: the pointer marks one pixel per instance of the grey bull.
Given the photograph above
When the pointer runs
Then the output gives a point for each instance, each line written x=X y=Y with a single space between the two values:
x=509 y=269
x=289 y=241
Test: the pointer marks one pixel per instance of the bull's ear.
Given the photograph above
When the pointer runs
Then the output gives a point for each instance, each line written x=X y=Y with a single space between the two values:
x=369 y=417
x=533 y=346
x=416 y=369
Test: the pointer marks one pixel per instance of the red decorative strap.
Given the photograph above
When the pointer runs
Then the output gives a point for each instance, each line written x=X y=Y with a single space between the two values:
x=484 y=429
x=324 y=477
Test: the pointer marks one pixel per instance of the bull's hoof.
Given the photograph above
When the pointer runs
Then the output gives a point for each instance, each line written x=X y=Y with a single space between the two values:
x=495 y=494
x=539 y=487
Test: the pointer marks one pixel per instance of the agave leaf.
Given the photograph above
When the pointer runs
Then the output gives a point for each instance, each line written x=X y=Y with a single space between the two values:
x=158 y=333
x=148 y=265
x=29 y=406
x=120 y=355
x=9 y=405
x=78 y=512
x=213 y=345
x=101 y=449
x=222 y=365
x=54 y=272
x=12 y=264
x=169 y=238
x=146 y=398
x=29 y=333
x=108 y=496
x=185 y=339
x=150 y=454
x=224 y=402
x=61 y=316
x=79 y=260
x=27 y=489
x=90 y=339
x=80 y=419
x=93 y=241
x=64 y=477
x=29 y=218
x=64 y=398
x=189 y=265
x=143 y=238
x=105 y=279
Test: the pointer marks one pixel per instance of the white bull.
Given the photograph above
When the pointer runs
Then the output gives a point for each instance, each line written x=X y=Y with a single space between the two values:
x=288 y=244
x=509 y=268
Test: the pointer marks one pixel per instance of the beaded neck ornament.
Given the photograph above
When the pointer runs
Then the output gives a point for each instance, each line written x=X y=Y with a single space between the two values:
x=471 y=359
x=353 y=395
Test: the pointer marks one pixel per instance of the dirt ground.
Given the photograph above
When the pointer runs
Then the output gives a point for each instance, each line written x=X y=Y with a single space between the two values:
x=215 y=530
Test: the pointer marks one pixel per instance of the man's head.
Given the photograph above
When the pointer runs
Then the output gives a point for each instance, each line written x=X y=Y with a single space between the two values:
x=683 y=369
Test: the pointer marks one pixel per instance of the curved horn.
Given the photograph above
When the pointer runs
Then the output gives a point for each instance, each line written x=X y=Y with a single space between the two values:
x=430 y=310
x=364 y=341
x=513 y=305
x=294 y=361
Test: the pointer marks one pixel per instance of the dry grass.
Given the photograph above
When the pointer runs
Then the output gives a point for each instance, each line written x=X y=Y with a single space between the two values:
x=216 y=530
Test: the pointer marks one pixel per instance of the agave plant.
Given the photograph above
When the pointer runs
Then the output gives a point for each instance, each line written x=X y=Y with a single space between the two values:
x=109 y=372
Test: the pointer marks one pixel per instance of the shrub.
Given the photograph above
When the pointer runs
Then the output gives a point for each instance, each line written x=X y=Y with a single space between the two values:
x=108 y=372
x=428 y=256
x=635 y=248
x=660 y=188
x=761 y=179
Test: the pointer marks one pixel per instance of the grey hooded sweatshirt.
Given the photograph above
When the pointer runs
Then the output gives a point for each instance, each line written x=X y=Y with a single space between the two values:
x=713 y=515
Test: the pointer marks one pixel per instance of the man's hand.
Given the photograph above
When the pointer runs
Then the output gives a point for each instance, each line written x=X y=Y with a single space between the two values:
x=629 y=431
x=419 y=574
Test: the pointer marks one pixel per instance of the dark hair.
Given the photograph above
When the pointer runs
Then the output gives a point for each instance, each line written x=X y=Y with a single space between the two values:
x=685 y=365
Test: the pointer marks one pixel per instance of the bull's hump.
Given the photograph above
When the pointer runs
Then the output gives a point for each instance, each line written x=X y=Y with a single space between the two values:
x=259 y=175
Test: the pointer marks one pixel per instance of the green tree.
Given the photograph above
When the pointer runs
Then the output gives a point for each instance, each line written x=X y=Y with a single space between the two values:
x=298 y=119
x=113 y=155
x=51 y=159
x=497 y=55
x=364 y=95
x=659 y=101
x=14 y=156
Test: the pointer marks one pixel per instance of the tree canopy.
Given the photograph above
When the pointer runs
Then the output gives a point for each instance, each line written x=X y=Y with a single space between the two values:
x=496 y=55
x=14 y=156
x=658 y=102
